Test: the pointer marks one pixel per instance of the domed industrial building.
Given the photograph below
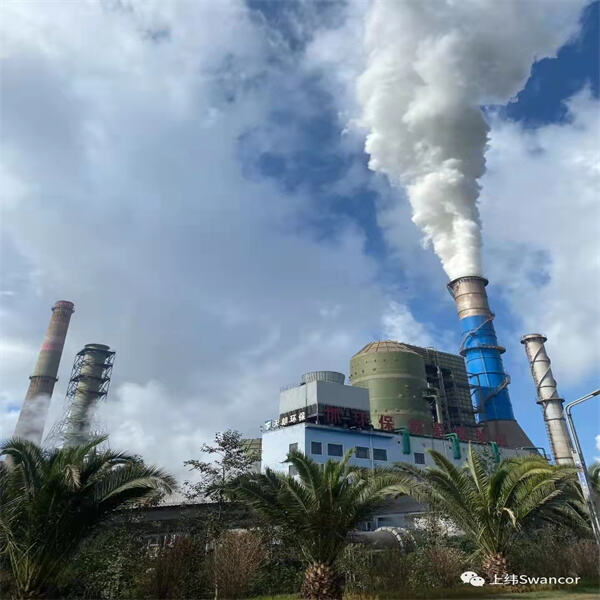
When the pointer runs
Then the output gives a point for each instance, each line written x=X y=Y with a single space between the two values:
x=402 y=400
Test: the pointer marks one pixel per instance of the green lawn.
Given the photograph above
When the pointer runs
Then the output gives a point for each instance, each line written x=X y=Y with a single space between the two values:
x=573 y=592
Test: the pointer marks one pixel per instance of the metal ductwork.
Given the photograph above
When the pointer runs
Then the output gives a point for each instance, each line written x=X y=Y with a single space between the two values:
x=32 y=418
x=548 y=398
x=483 y=355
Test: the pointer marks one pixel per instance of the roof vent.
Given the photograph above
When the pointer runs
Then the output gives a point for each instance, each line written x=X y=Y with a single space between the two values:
x=329 y=376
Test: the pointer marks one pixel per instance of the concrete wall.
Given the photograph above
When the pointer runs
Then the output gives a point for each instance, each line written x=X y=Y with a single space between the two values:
x=400 y=512
x=276 y=446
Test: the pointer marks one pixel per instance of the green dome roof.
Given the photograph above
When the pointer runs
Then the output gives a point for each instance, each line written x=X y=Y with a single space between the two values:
x=385 y=346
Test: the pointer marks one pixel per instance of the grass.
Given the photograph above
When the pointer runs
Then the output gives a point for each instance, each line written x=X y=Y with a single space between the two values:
x=583 y=591
x=572 y=592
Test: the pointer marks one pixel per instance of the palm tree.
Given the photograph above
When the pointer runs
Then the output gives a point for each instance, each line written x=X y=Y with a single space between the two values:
x=493 y=508
x=50 y=500
x=317 y=509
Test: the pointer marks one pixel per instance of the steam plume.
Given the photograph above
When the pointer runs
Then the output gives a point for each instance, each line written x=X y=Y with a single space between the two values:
x=430 y=67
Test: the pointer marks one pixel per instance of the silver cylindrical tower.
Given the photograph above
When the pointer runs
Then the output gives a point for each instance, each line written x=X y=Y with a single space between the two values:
x=89 y=383
x=548 y=398
x=32 y=417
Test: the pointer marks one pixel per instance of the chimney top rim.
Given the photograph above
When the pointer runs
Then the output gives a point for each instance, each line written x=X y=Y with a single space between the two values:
x=67 y=304
x=532 y=336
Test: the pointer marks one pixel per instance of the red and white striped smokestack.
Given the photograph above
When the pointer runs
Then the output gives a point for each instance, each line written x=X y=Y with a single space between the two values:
x=32 y=418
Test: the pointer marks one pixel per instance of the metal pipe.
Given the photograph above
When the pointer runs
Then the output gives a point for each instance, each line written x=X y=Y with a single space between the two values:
x=32 y=417
x=589 y=493
x=548 y=398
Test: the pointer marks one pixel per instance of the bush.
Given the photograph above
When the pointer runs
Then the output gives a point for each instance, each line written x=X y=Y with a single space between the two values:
x=105 y=567
x=583 y=559
x=177 y=570
x=281 y=571
x=435 y=567
x=404 y=574
x=237 y=558
x=356 y=564
x=555 y=552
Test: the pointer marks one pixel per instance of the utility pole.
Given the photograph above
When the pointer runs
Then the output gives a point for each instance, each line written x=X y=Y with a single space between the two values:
x=584 y=479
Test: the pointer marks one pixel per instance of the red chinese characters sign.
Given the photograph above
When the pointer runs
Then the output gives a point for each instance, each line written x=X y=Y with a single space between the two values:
x=386 y=423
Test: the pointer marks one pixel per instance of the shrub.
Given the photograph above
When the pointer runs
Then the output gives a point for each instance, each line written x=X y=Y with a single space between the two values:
x=390 y=570
x=281 y=571
x=583 y=559
x=404 y=574
x=237 y=558
x=177 y=570
x=105 y=567
x=435 y=567
x=554 y=551
x=356 y=564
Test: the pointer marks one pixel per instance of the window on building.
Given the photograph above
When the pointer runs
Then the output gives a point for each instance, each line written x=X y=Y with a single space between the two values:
x=362 y=452
x=379 y=454
x=294 y=447
x=335 y=450
x=292 y=471
x=419 y=458
x=316 y=448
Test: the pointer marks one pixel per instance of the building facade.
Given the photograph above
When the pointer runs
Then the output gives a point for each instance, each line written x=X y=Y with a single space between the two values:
x=323 y=418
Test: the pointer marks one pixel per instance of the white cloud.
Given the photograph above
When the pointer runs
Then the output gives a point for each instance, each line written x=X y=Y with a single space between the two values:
x=541 y=227
x=127 y=196
x=400 y=325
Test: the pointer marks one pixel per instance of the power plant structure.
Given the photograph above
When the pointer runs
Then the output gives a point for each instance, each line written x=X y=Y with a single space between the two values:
x=421 y=389
x=404 y=400
x=479 y=346
x=396 y=380
x=89 y=383
x=548 y=398
x=449 y=389
x=32 y=418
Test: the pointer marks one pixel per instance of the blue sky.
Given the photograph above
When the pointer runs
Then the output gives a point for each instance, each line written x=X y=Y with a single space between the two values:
x=194 y=180
x=543 y=100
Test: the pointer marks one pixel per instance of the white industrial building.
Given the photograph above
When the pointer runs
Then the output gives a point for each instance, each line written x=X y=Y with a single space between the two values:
x=323 y=418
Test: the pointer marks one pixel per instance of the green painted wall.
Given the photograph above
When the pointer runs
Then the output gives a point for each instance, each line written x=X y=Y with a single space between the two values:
x=396 y=381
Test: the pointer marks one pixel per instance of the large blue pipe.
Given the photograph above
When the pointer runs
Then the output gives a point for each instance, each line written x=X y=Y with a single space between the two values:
x=483 y=355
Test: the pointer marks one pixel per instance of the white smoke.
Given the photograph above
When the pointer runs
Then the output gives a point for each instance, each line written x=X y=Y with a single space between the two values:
x=430 y=66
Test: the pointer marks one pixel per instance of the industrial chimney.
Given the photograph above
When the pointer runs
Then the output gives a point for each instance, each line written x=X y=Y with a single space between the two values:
x=32 y=418
x=90 y=379
x=548 y=398
x=483 y=356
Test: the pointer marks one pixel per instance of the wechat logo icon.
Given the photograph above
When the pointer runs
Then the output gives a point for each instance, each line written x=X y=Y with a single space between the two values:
x=472 y=578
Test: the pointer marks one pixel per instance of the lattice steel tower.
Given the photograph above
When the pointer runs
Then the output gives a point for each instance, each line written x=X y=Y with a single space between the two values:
x=89 y=383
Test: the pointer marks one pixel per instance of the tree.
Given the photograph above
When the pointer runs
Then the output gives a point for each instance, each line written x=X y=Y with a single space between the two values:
x=233 y=457
x=493 y=509
x=51 y=499
x=595 y=477
x=317 y=510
